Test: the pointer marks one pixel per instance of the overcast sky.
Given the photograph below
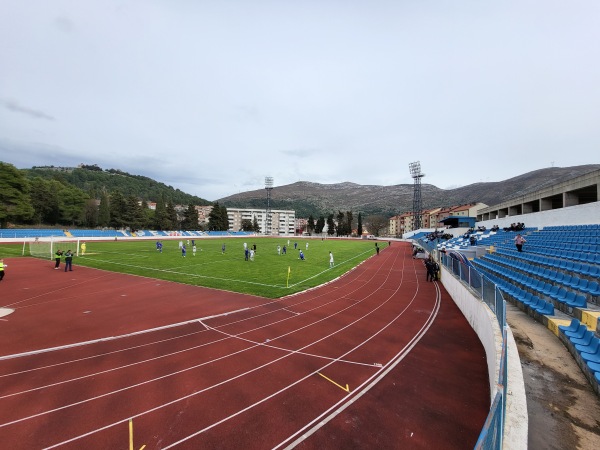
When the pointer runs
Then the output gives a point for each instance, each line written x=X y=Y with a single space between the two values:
x=213 y=96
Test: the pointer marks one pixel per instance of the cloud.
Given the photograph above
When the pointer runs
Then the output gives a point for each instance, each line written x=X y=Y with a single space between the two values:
x=13 y=106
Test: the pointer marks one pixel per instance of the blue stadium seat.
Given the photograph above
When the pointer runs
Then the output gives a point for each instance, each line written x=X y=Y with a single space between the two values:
x=585 y=340
x=547 y=309
x=578 y=302
x=578 y=333
x=591 y=357
x=592 y=289
x=592 y=347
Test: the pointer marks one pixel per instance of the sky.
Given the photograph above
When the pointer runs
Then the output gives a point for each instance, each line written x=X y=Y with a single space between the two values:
x=212 y=96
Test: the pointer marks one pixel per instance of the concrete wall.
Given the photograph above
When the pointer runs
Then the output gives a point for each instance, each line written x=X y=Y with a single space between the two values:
x=571 y=215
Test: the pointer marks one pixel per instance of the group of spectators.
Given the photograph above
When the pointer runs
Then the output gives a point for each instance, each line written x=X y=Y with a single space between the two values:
x=515 y=227
x=437 y=234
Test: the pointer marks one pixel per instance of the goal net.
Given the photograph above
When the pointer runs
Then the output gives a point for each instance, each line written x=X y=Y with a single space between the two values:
x=46 y=248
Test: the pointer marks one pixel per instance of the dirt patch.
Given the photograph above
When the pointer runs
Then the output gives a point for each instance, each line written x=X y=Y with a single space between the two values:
x=563 y=410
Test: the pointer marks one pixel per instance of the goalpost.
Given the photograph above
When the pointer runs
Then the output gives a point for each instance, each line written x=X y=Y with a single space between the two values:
x=45 y=248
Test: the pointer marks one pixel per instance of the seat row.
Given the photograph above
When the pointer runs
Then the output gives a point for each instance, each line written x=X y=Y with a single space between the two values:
x=573 y=228
x=526 y=298
x=572 y=255
x=574 y=267
x=586 y=344
x=538 y=287
x=558 y=279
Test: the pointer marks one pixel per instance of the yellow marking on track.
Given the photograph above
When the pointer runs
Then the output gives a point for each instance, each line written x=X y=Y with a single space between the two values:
x=347 y=388
x=131 y=436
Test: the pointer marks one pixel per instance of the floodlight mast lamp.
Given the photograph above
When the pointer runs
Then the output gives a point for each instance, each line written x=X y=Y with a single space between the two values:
x=415 y=172
x=268 y=188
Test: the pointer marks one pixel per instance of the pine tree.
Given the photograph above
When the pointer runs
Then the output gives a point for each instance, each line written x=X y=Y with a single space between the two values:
x=224 y=218
x=214 y=218
x=190 y=218
x=359 y=229
x=320 y=225
x=118 y=209
x=341 y=227
x=349 y=218
x=330 y=225
x=172 y=218
x=161 y=220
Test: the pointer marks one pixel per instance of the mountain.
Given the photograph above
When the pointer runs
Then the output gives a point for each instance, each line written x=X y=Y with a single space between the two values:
x=94 y=180
x=322 y=199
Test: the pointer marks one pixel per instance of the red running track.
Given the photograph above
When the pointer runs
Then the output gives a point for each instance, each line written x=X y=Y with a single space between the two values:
x=379 y=358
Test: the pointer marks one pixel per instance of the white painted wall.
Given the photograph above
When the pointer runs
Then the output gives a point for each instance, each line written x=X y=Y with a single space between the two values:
x=571 y=215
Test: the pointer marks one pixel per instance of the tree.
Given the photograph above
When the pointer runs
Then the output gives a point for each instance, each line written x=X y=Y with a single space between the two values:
x=135 y=217
x=224 y=218
x=255 y=225
x=330 y=225
x=190 y=218
x=349 y=218
x=310 y=225
x=216 y=221
x=246 y=225
x=44 y=199
x=341 y=224
x=90 y=213
x=320 y=225
x=15 y=204
x=376 y=224
x=172 y=219
x=161 y=219
x=359 y=228
x=148 y=215
x=71 y=203
x=104 y=210
x=118 y=209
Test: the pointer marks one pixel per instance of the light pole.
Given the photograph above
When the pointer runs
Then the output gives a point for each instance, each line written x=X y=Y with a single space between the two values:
x=415 y=172
x=268 y=188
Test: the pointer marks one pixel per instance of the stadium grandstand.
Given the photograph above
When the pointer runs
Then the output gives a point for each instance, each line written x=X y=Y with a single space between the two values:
x=554 y=279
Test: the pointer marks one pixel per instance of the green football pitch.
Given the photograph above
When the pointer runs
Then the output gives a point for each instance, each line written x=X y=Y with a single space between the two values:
x=270 y=274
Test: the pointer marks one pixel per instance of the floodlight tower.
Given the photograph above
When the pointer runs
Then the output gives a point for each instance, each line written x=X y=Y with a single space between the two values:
x=415 y=172
x=268 y=188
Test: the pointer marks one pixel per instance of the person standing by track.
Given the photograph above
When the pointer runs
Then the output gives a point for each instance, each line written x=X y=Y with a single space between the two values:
x=69 y=261
x=57 y=257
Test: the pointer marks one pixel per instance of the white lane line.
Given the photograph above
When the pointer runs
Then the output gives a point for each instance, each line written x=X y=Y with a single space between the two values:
x=248 y=372
x=112 y=338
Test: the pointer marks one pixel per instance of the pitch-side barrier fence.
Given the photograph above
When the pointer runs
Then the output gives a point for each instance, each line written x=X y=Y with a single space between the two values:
x=492 y=433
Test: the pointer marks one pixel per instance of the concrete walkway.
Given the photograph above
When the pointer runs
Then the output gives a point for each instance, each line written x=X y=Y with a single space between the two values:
x=563 y=409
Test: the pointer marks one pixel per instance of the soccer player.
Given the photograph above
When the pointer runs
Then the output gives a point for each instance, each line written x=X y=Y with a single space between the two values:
x=193 y=249
x=83 y=247
x=330 y=260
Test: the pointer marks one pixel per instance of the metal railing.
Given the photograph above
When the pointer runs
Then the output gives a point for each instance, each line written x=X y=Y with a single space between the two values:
x=492 y=433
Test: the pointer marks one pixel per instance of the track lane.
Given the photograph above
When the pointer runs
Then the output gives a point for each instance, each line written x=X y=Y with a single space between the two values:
x=328 y=329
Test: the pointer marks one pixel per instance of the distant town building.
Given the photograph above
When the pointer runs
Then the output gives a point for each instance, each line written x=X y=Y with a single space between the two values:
x=282 y=221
